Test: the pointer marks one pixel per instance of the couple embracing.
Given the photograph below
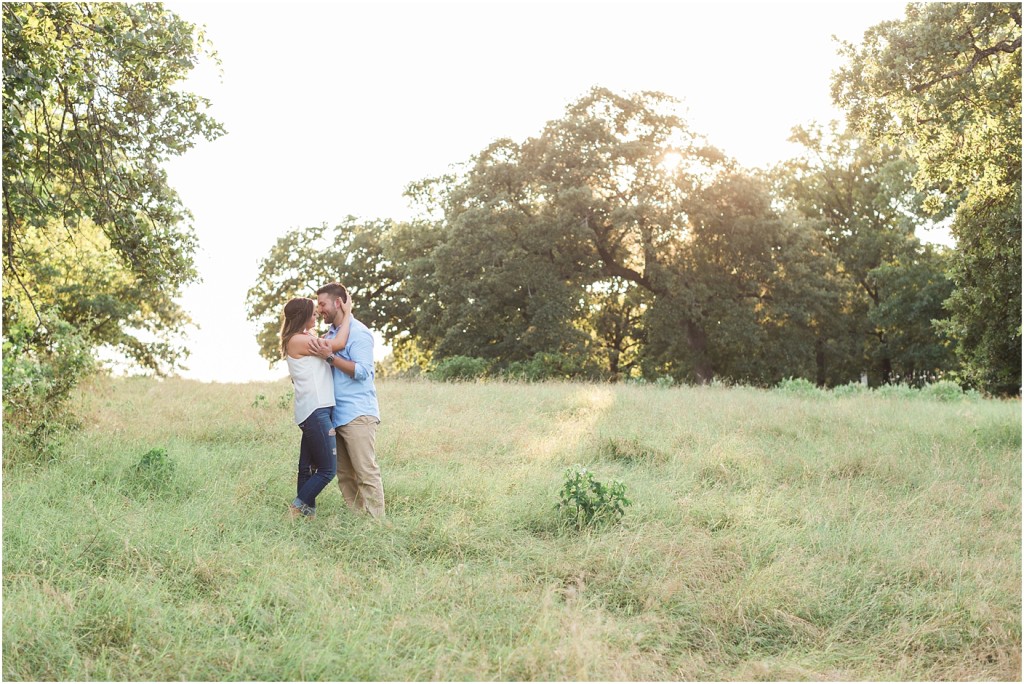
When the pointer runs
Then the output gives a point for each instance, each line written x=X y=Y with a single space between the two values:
x=335 y=402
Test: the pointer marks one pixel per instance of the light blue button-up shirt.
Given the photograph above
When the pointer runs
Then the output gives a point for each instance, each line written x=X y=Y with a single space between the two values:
x=355 y=396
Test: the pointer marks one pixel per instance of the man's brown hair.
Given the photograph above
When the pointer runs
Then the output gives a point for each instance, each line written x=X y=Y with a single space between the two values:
x=335 y=290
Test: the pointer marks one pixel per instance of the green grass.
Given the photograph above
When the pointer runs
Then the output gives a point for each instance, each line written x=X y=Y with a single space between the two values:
x=772 y=536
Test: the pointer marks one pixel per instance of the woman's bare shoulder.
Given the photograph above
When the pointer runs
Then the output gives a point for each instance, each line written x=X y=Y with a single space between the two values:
x=299 y=344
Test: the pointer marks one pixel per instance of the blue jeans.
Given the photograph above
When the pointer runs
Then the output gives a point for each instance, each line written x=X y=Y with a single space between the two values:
x=318 y=458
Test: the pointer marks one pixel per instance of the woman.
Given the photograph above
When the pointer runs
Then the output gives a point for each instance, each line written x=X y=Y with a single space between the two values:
x=314 y=399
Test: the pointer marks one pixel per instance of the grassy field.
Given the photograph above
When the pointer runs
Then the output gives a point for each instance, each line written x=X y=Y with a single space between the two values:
x=772 y=536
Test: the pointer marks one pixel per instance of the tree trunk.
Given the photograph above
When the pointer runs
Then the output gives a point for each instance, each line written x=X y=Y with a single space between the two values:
x=613 y=364
x=697 y=340
x=819 y=360
x=886 y=370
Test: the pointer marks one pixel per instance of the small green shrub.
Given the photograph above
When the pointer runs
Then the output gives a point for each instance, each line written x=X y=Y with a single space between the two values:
x=459 y=368
x=260 y=401
x=154 y=473
x=43 y=362
x=590 y=503
x=944 y=390
x=800 y=387
x=551 y=366
x=285 y=400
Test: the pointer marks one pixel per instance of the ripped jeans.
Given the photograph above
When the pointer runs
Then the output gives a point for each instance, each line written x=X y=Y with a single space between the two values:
x=318 y=459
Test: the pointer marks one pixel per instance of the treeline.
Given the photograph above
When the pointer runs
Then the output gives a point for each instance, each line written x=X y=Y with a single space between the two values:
x=619 y=243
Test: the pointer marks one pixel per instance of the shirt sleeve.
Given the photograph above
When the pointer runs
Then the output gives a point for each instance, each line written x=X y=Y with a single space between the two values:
x=360 y=351
x=331 y=333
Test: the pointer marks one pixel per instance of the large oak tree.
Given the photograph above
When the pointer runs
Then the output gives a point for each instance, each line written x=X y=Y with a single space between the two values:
x=92 y=107
x=945 y=82
x=616 y=237
x=890 y=286
x=96 y=244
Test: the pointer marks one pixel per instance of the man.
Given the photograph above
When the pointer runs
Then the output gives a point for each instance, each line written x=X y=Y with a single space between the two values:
x=356 y=413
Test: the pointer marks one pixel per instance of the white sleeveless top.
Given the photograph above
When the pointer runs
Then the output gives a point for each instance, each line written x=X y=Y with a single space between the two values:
x=313 y=384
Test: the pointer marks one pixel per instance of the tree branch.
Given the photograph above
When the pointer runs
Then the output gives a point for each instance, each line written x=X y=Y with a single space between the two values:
x=1002 y=46
x=28 y=294
x=614 y=268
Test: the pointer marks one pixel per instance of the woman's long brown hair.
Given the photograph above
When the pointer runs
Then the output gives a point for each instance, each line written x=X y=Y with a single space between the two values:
x=296 y=314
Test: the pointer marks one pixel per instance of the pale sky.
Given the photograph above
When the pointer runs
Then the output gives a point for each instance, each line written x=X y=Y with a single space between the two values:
x=333 y=108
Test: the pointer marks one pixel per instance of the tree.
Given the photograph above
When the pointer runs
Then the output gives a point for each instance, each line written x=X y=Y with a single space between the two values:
x=615 y=319
x=354 y=253
x=618 y=176
x=616 y=196
x=531 y=232
x=862 y=200
x=91 y=229
x=616 y=238
x=503 y=285
x=945 y=82
x=911 y=291
x=80 y=280
x=759 y=279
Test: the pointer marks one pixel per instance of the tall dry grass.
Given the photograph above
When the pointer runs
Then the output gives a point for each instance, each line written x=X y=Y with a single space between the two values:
x=771 y=537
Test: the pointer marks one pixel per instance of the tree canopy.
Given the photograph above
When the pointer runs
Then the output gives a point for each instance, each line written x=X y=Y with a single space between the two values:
x=92 y=106
x=617 y=242
x=620 y=239
x=96 y=244
x=890 y=287
x=944 y=82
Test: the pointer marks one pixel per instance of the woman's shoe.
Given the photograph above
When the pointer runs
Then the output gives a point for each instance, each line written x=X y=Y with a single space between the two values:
x=301 y=510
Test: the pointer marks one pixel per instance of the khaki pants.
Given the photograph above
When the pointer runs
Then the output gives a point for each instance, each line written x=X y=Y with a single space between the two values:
x=358 y=472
